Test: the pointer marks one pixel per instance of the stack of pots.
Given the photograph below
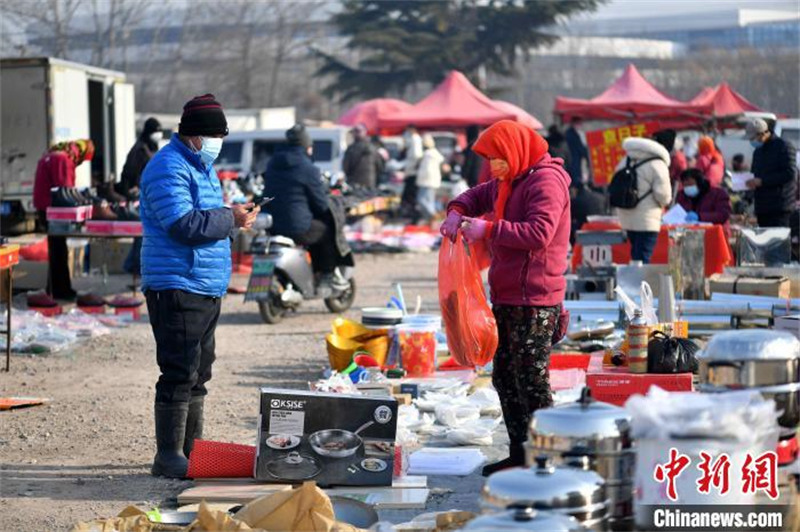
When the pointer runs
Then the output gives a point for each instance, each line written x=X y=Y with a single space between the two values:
x=523 y=517
x=759 y=360
x=596 y=434
x=568 y=491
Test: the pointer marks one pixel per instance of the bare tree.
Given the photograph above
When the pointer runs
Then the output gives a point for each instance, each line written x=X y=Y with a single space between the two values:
x=46 y=18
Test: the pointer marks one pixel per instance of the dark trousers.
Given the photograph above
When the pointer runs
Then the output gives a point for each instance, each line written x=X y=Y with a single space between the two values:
x=521 y=375
x=183 y=325
x=59 y=283
x=642 y=245
x=774 y=219
x=320 y=241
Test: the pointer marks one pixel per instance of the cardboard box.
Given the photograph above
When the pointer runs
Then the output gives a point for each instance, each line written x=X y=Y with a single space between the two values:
x=789 y=324
x=753 y=286
x=616 y=387
x=311 y=436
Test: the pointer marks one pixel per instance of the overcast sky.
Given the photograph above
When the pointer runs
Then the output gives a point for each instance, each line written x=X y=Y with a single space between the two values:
x=638 y=8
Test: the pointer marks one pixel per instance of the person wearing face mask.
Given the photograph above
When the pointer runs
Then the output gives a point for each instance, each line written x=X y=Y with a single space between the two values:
x=528 y=197
x=702 y=201
x=774 y=184
x=186 y=267
x=142 y=151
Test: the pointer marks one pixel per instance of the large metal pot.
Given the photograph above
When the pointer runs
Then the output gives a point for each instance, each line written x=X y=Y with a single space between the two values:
x=598 y=434
x=565 y=490
x=786 y=397
x=750 y=359
x=524 y=517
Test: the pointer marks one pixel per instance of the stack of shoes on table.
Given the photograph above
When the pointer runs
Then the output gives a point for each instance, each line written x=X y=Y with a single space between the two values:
x=102 y=210
x=128 y=212
x=71 y=197
x=125 y=302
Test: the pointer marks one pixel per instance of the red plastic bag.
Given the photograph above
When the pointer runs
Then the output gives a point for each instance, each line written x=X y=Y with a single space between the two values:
x=469 y=322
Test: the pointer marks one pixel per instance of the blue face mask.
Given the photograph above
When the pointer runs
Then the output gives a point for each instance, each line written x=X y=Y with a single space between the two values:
x=209 y=151
x=692 y=191
x=756 y=143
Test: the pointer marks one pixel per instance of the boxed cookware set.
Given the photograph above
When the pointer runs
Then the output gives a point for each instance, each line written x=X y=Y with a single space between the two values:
x=333 y=439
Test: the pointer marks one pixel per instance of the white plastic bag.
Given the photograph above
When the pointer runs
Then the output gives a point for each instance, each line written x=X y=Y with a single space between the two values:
x=470 y=436
x=648 y=310
x=455 y=416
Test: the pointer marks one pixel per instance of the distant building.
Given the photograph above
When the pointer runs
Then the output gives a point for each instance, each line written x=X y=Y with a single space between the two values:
x=729 y=29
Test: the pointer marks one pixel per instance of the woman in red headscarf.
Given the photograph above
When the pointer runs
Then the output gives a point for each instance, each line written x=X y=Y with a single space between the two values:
x=528 y=197
x=710 y=161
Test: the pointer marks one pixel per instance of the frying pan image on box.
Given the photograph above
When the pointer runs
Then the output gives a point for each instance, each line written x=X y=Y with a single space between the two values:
x=337 y=443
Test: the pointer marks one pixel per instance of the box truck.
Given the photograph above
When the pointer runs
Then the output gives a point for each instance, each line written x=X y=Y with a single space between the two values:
x=44 y=101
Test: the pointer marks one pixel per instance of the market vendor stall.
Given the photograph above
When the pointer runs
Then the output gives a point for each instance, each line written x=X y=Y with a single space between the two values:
x=718 y=251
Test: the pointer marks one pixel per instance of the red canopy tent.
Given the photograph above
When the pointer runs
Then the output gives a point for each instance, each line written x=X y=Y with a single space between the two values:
x=724 y=101
x=367 y=113
x=456 y=103
x=631 y=96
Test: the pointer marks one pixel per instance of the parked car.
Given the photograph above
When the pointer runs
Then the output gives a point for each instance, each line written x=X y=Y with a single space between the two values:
x=250 y=151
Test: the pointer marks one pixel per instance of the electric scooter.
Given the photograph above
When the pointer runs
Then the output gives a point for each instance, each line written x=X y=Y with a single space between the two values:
x=282 y=277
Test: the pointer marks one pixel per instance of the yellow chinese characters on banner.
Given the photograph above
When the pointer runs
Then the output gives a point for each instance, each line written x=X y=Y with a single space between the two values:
x=605 y=148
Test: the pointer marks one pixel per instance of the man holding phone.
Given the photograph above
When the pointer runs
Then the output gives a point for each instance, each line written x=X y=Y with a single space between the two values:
x=186 y=267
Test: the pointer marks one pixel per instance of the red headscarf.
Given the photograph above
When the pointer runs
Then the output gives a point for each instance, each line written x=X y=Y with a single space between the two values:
x=520 y=146
x=706 y=146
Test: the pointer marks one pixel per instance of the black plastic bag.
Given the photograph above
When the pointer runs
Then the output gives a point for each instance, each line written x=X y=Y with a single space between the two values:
x=671 y=355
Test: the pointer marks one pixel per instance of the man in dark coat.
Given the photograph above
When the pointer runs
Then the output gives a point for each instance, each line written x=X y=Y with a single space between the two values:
x=146 y=146
x=362 y=164
x=557 y=144
x=577 y=151
x=775 y=175
x=300 y=210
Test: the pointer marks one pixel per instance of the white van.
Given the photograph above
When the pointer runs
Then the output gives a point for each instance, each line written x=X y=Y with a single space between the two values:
x=250 y=151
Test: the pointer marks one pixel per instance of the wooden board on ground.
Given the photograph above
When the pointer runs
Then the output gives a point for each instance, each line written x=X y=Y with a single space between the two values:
x=380 y=498
x=408 y=481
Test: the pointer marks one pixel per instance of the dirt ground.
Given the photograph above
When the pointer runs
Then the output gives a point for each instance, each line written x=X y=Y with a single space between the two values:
x=87 y=454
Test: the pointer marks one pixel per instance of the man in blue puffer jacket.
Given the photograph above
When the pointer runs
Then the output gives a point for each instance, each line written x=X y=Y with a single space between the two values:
x=186 y=266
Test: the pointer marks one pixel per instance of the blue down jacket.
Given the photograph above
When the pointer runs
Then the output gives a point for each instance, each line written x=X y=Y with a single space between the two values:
x=186 y=228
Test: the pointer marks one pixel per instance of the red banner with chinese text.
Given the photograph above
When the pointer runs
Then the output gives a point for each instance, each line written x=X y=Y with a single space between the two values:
x=605 y=147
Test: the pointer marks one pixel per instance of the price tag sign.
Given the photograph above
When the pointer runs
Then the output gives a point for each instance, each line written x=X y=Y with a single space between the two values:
x=258 y=289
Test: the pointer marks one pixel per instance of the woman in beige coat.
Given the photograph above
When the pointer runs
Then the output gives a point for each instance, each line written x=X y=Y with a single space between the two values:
x=643 y=222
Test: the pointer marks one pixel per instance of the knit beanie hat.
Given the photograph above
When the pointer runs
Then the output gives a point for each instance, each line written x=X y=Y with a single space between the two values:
x=203 y=116
x=298 y=136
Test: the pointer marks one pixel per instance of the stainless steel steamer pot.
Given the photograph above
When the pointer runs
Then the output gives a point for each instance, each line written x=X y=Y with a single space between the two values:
x=566 y=490
x=599 y=435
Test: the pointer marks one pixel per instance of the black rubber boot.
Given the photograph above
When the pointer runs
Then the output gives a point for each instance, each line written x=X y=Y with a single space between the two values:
x=516 y=458
x=170 y=432
x=194 y=424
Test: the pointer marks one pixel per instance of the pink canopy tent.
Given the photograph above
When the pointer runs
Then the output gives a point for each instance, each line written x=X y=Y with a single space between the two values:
x=367 y=113
x=456 y=103
x=631 y=96
x=724 y=101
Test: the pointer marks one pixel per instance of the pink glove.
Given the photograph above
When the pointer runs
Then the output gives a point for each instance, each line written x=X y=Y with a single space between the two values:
x=451 y=225
x=475 y=229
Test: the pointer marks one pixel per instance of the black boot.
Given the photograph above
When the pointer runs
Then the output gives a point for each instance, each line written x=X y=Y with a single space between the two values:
x=194 y=424
x=170 y=432
x=516 y=458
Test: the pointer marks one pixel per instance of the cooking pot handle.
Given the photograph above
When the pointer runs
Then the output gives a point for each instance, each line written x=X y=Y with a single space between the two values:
x=365 y=425
x=586 y=397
